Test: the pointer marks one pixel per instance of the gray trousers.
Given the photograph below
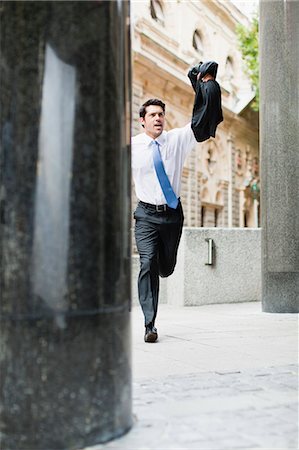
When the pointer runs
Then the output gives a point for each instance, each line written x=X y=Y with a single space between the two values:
x=157 y=237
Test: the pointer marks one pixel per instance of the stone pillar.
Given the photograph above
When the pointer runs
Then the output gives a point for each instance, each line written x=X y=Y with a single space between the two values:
x=65 y=242
x=279 y=137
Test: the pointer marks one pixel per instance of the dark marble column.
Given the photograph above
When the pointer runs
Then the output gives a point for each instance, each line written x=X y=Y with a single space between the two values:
x=65 y=242
x=279 y=137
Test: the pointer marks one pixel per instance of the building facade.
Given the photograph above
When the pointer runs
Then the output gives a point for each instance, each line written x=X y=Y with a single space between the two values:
x=220 y=185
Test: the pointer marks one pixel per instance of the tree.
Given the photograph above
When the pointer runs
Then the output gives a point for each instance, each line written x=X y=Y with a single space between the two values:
x=249 y=46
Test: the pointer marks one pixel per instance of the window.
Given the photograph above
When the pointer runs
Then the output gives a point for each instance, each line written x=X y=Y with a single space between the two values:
x=157 y=10
x=245 y=220
x=216 y=217
x=202 y=218
x=197 y=42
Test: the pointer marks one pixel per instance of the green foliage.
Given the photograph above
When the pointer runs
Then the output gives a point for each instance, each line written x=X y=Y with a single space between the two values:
x=249 y=46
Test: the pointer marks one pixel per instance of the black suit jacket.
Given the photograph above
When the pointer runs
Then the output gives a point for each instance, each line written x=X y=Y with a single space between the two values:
x=207 y=110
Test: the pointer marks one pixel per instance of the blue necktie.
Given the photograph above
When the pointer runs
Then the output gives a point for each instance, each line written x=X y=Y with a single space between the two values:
x=166 y=187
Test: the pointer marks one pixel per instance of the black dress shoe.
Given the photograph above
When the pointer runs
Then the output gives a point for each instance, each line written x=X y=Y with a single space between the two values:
x=151 y=333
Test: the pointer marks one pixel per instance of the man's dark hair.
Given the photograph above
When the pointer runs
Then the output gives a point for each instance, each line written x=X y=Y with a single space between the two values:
x=151 y=101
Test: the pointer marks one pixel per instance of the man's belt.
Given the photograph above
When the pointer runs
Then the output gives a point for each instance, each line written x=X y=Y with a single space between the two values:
x=157 y=208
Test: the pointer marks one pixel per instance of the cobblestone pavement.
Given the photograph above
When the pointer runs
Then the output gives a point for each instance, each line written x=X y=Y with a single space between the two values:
x=251 y=409
x=246 y=399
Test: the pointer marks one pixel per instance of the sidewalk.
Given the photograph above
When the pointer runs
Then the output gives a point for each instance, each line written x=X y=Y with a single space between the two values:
x=220 y=377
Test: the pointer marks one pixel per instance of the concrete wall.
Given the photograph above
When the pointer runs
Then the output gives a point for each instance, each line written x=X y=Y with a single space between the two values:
x=234 y=277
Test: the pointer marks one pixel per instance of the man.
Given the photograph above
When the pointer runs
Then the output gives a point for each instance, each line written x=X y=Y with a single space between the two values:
x=157 y=163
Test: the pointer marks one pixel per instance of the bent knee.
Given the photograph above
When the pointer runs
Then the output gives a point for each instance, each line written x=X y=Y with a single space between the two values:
x=166 y=273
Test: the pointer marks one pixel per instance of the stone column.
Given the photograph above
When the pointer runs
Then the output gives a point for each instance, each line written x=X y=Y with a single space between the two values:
x=279 y=137
x=65 y=242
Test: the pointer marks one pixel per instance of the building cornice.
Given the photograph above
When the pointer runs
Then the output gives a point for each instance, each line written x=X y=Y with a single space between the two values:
x=226 y=11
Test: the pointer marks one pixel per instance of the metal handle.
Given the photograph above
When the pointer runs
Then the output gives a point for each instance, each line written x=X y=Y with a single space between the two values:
x=210 y=252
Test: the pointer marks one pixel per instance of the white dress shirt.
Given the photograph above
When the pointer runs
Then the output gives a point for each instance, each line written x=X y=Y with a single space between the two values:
x=174 y=147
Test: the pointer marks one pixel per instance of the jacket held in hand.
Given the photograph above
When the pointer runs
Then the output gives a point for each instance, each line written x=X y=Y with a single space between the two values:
x=207 y=111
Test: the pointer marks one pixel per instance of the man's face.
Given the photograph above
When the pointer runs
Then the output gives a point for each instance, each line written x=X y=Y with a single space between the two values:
x=153 y=121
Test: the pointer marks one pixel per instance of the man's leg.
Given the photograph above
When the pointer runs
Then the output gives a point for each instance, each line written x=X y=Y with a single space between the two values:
x=169 y=239
x=147 y=236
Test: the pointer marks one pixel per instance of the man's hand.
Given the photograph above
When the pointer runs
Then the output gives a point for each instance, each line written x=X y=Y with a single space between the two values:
x=207 y=77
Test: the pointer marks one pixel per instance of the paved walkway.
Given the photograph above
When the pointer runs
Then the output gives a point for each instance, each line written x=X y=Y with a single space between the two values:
x=220 y=377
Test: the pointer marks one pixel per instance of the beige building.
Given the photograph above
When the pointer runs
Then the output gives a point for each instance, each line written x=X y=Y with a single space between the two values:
x=220 y=186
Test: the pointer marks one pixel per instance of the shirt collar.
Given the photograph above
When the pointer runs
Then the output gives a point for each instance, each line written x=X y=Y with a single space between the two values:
x=160 y=139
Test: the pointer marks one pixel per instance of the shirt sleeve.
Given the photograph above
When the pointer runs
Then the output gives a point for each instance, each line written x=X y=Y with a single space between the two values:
x=185 y=139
